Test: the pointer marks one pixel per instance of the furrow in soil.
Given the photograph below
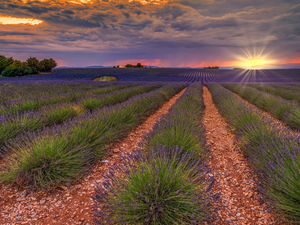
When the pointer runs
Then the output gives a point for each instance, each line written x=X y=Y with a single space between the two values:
x=240 y=202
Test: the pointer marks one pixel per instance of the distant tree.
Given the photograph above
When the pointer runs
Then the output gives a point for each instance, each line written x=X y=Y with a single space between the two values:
x=211 y=67
x=118 y=66
x=18 y=68
x=53 y=63
x=5 y=62
x=114 y=66
x=128 y=66
x=139 y=65
x=46 y=65
x=33 y=62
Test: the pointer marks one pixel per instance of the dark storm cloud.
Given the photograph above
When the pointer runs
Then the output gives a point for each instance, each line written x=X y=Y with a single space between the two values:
x=69 y=12
x=120 y=6
x=70 y=21
x=12 y=6
x=36 y=9
x=14 y=33
x=169 y=12
x=209 y=24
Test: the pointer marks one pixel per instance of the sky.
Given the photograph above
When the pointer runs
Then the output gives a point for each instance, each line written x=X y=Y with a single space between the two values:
x=164 y=33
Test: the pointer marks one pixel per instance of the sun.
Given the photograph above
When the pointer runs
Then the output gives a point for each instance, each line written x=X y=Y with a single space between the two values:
x=256 y=58
x=256 y=62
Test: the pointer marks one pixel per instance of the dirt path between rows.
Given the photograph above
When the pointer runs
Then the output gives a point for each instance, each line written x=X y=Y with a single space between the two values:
x=71 y=204
x=240 y=202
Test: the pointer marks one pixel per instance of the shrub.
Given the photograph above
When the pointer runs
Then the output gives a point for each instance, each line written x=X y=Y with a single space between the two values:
x=33 y=62
x=46 y=65
x=128 y=65
x=105 y=78
x=293 y=118
x=166 y=187
x=211 y=67
x=5 y=62
x=282 y=109
x=65 y=152
x=271 y=149
x=182 y=126
x=18 y=68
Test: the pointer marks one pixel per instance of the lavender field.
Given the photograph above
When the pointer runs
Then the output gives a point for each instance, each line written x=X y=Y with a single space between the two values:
x=55 y=128
x=169 y=75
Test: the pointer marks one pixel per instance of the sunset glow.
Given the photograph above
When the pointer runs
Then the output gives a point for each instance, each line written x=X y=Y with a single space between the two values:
x=11 y=20
x=257 y=63
x=145 y=2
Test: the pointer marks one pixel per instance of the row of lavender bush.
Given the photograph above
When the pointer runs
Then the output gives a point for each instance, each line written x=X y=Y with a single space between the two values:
x=282 y=109
x=64 y=152
x=15 y=124
x=272 y=151
x=34 y=103
x=166 y=184
x=286 y=91
x=20 y=90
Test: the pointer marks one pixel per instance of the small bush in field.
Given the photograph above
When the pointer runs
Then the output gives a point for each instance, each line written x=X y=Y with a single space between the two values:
x=106 y=78
x=167 y=187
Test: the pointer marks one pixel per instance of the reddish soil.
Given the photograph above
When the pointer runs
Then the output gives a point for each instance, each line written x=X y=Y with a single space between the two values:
x=71 y=204
x=240 y=202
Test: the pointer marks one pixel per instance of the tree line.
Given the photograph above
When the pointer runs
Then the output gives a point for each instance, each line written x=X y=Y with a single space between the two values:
x=139 y=65
x=12 y=68
x=211 y=67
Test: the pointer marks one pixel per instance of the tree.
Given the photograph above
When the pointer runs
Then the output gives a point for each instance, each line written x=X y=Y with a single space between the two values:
x=53 y=63
x=33 y=62
x=46 y=65
x=18 y=68
x=128 y=66
x=139 y=65
x=211 y=67
x=5 y=62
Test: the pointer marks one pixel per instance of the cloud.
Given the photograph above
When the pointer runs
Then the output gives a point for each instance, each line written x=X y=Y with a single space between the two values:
x=117 y=29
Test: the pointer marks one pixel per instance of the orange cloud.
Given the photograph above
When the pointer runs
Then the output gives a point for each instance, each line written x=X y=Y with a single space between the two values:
x=143 y=2
x=14 y=20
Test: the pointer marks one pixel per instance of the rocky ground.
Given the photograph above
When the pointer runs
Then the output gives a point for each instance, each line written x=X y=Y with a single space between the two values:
x=240 y=202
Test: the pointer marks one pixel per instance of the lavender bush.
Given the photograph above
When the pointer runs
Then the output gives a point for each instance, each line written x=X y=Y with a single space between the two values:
x=64 y=152
x=34 y=103
x=94 y=102
x=182 y=125
x=17 y=123
x=273 y=152
x=165 y=187
x=282 y=109
x=285 y=91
